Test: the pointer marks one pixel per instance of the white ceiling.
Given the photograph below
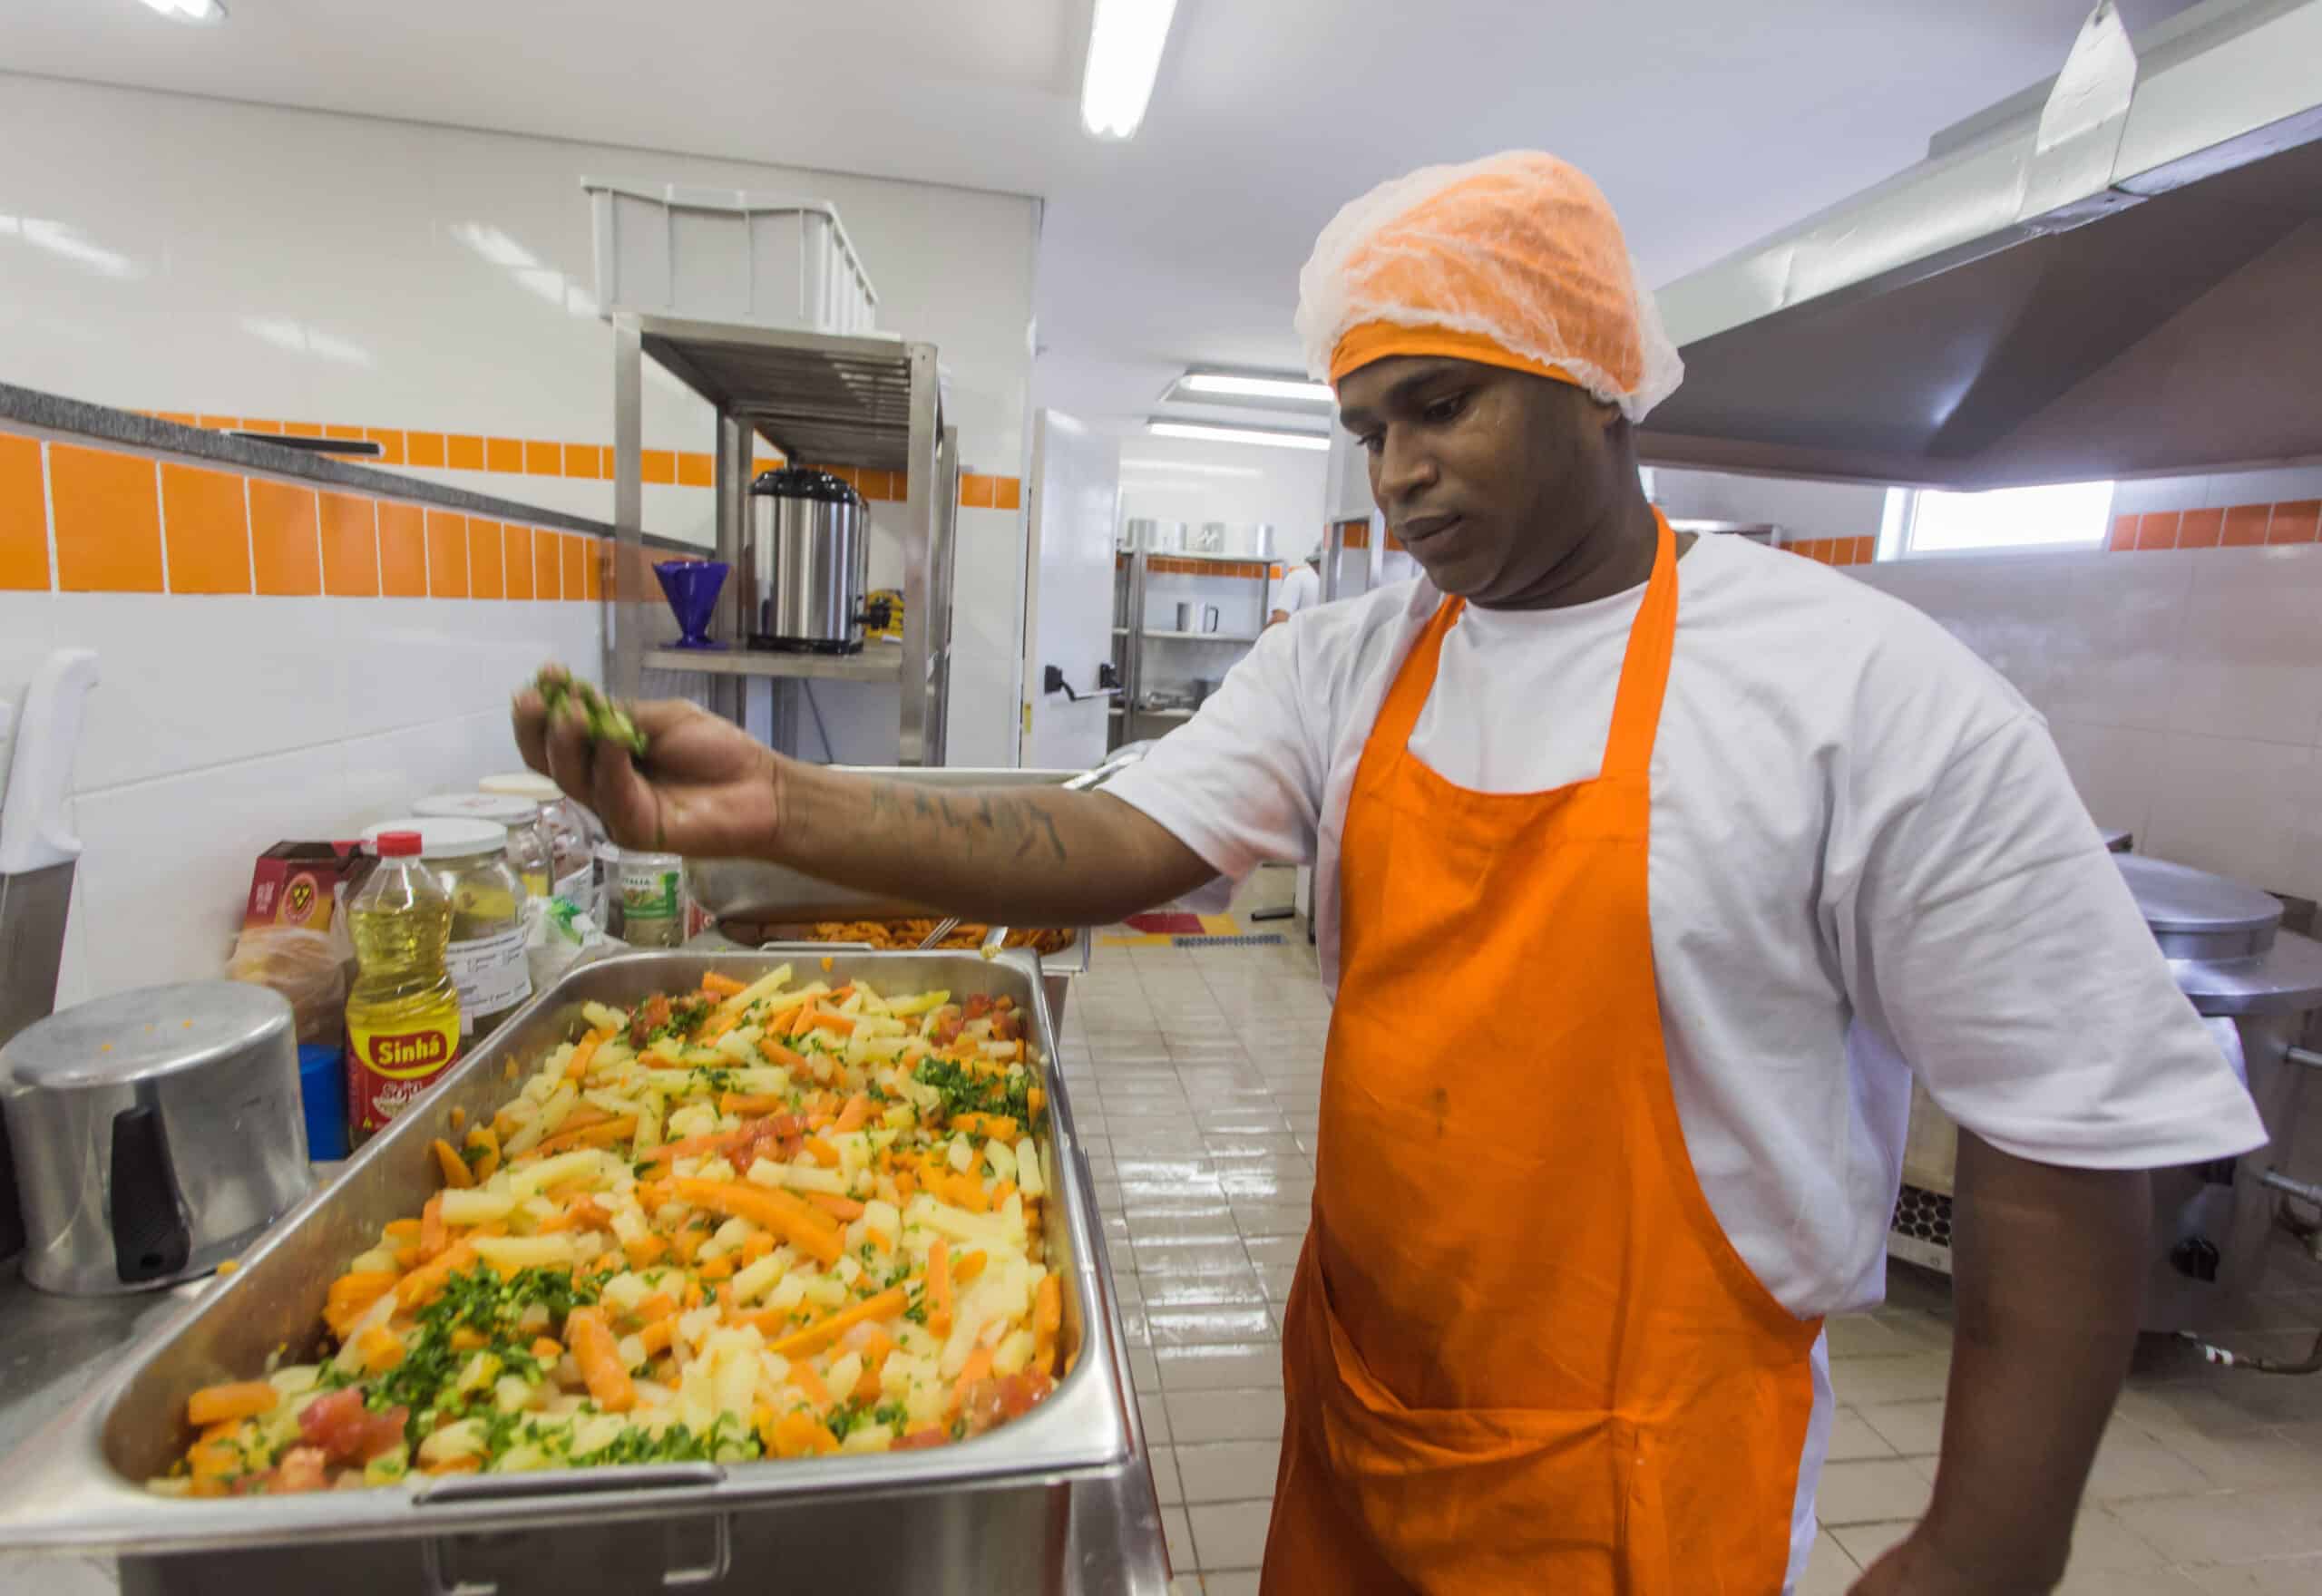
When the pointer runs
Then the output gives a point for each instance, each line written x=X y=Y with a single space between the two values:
x=1709 y=124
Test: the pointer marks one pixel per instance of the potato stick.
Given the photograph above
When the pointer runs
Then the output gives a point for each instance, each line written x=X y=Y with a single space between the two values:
x=239 y=1399
x=597 y=1351
x=456 y=1172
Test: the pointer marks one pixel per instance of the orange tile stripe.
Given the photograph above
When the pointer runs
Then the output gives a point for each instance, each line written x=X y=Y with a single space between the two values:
x=536 y=457
x=1837 y=550
x=122 y=522
x=2242 y=526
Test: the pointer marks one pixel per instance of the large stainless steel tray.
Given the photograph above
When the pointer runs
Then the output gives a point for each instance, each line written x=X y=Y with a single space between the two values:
x=1061 y=1499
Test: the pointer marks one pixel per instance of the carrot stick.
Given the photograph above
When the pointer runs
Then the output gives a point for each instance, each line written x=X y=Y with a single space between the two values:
x=645 y=1250
x=596 y=1351
x=811 y=1232
x=434 y=1236
x=236 y=1400
x=424 y=1284
x=547 y=1349
x=775 y=1053
x=798 y=1434
x=824 y=1153
x=857 y=1109
x=836 y=1206
x=803 y=1376
x=657 y=1336
x=841 y=1023
x=978 y=1365
x=1036 y=1099
x=969 y=1268
x=380 y=1348
x=755 y=1245
x=603 y=1133
x=577 y=1067
x=723 y=986
x=719 y=1024
x=939 y=1289
x=1048 y=1316
x=805 y=1343
x=400 y=1229
x=353 y=1292
x=456 y=1172
x=488 y=1157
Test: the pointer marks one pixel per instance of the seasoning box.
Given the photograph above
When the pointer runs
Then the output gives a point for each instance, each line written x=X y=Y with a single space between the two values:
x=298 y=883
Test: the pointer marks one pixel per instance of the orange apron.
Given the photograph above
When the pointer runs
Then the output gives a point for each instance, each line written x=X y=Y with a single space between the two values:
x=1520 y=1353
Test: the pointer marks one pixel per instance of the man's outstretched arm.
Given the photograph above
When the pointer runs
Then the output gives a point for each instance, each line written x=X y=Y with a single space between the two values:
x=1018 y=855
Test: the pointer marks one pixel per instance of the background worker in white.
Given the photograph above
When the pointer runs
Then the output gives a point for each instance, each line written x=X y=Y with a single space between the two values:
x=1302 y=588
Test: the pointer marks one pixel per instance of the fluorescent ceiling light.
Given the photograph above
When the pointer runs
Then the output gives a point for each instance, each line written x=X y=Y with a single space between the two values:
x=197 y=11
x=1203 y=431
x=1192 y=468
x=1248 y=387
x=1125 y=42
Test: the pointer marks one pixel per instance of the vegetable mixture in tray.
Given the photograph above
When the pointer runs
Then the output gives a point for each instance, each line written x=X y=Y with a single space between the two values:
x=766 y=1221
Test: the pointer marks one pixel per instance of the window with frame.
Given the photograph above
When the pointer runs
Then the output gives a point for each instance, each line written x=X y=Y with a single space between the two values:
x=1923 y=521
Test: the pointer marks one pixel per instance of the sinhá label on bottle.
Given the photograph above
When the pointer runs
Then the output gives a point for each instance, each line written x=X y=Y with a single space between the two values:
x=492 y=974
x=387 y=1069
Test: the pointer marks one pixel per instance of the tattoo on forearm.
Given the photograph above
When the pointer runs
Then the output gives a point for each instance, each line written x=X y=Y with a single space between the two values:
x=1019 y=824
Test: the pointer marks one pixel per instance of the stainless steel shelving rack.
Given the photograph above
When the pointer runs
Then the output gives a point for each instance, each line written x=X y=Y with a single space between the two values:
x=1130 y=635
x=823 y=399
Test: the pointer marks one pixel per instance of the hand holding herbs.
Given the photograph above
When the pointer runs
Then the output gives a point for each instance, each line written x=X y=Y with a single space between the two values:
x=606 y=721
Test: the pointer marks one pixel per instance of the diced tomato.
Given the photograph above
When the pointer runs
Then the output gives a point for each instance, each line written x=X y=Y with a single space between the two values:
x=995 y=1401
x=933 y=1436
x=347 y=1431
x=302 y=1468
x=1006 y=1026
x=650 y=1015
x=946 y=1029
x=978 y=1007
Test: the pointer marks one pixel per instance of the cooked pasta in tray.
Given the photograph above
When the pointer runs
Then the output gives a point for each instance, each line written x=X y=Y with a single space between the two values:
x=773 y=1220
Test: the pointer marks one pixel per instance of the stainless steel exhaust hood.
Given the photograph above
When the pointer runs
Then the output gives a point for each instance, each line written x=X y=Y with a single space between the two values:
x=2117 y=275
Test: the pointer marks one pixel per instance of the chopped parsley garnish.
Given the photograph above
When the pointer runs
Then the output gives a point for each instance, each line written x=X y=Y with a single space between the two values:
x=727 y=1439
x=475 y=1299
x=963 y=1093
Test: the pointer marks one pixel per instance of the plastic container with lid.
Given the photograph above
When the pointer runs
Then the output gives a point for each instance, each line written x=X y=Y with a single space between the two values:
x=486 y=952
x=572 y=835
x=531 y=852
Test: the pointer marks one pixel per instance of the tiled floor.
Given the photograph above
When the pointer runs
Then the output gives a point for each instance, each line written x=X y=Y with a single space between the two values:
x=1196 y=1075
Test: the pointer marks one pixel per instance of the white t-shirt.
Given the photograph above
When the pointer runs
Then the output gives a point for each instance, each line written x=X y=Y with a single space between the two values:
x=1865 y=851
x=1302 y=588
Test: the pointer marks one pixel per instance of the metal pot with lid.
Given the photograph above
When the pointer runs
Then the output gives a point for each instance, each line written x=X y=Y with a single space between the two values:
x=808 y=564
x=157 y=1133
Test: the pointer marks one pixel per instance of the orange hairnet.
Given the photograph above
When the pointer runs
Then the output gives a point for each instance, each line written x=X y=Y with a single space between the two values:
x=1513 y=260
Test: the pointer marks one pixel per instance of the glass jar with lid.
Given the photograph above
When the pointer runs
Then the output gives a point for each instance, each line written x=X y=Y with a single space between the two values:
x=572 y=834
x=531 y=850
x=486 y=952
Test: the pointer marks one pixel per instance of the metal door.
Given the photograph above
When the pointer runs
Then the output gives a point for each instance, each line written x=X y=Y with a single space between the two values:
x=1069 y=594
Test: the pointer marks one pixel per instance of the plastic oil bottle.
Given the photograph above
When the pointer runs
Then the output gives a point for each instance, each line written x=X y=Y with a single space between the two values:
x=402 y=1013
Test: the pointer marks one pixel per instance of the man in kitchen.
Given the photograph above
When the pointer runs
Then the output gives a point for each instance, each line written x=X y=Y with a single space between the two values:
x=1302 y=588
x=1651 y=869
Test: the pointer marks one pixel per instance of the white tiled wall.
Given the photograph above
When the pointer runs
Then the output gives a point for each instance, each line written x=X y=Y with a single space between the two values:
x=2184 y=689
x=224 y=725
